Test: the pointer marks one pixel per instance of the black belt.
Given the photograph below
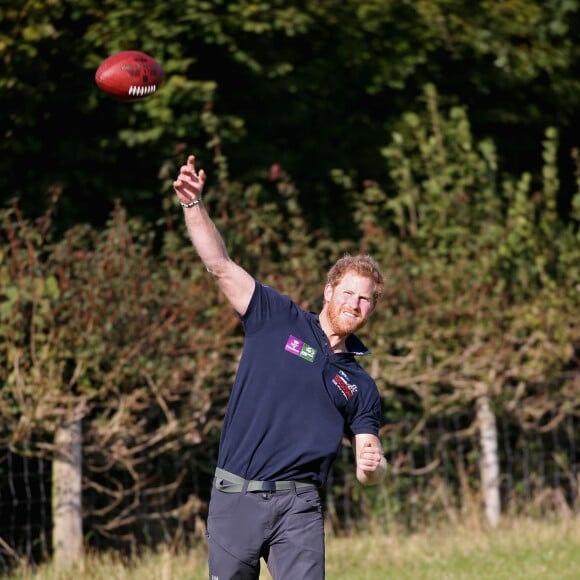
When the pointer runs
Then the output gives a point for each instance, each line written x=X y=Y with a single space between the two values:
x=232 y=483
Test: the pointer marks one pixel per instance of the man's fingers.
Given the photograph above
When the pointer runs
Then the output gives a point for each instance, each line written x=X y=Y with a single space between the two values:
x=189 y=183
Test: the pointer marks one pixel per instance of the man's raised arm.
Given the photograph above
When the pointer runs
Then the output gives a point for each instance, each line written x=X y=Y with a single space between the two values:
x=236 y=284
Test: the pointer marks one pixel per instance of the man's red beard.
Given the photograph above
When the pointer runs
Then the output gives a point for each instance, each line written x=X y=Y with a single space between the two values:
x=342 y=326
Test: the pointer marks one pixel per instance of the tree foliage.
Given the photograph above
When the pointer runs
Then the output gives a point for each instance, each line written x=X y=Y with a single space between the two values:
x=309 y=85
x=134 y=339
x=322 y=131
x=482 y=271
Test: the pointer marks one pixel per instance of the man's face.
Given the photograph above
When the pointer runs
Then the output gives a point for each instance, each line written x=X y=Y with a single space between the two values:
x=350 y=304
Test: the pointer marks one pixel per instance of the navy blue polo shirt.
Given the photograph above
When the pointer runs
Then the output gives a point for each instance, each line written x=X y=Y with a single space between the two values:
x=293 y=399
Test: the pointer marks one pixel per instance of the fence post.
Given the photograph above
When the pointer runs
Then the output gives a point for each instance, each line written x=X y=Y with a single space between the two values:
x=489 y=465
x=67 y=539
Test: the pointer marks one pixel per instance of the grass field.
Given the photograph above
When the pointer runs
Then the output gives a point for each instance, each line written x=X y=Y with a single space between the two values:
x=518 y=550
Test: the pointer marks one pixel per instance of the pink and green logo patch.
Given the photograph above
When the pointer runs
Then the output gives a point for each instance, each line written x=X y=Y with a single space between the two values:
x=299 y=348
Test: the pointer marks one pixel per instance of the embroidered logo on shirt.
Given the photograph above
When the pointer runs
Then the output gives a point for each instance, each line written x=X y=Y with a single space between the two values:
x=342 y=381
x=299 y=348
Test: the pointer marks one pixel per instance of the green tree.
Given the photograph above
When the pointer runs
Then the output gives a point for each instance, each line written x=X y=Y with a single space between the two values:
x=308 y=85
x=483 y=272
x=482 y=280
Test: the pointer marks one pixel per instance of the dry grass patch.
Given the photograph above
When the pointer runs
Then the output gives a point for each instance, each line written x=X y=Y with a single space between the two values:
x=523 y=549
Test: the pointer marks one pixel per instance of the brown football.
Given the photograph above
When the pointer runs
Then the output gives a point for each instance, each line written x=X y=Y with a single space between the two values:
x=129 y=75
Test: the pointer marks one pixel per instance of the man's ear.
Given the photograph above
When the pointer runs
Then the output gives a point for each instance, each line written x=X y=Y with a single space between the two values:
x=327 y=293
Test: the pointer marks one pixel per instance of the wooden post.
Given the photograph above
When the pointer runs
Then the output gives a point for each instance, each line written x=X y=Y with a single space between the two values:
x=67 y=538
x=489 y=465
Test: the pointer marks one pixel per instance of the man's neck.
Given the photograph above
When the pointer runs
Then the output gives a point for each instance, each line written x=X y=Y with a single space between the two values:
x=336 y=342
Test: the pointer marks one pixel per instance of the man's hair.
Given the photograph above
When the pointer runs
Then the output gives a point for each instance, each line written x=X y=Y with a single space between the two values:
x=361 y=266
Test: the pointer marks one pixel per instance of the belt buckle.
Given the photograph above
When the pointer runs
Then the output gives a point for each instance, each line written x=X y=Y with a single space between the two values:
x=268 y=486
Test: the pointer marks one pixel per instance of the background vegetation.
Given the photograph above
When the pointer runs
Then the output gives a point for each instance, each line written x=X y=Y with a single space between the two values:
x=521 y=550
x=438 y=136
x=310 y=85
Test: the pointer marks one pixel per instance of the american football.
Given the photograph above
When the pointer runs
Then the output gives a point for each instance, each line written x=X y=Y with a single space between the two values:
x=129 y=75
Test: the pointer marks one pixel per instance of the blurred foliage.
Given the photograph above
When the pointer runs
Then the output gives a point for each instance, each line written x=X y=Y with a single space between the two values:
x=127 y=330
x=310 y=85
x=482 y=293
x=328 y=117
x=482 y=298
x=136 y=341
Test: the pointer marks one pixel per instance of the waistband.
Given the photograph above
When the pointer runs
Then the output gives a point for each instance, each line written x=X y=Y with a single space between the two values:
x=232 y=483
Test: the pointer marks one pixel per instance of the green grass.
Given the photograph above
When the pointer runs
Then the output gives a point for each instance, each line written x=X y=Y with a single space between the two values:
x=523 y=549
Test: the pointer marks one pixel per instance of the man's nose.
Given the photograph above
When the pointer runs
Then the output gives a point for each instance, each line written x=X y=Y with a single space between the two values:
x=353 y=302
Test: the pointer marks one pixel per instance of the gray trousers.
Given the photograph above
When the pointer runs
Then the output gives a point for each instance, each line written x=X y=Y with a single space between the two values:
x=285 y=528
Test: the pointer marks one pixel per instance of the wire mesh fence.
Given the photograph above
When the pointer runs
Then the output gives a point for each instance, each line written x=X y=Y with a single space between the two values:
x=433 y=477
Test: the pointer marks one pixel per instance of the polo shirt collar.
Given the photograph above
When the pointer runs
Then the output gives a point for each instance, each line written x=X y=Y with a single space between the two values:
x=356 y=346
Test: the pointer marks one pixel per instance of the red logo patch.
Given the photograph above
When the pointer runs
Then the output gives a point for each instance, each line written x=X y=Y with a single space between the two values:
x=347 y=389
